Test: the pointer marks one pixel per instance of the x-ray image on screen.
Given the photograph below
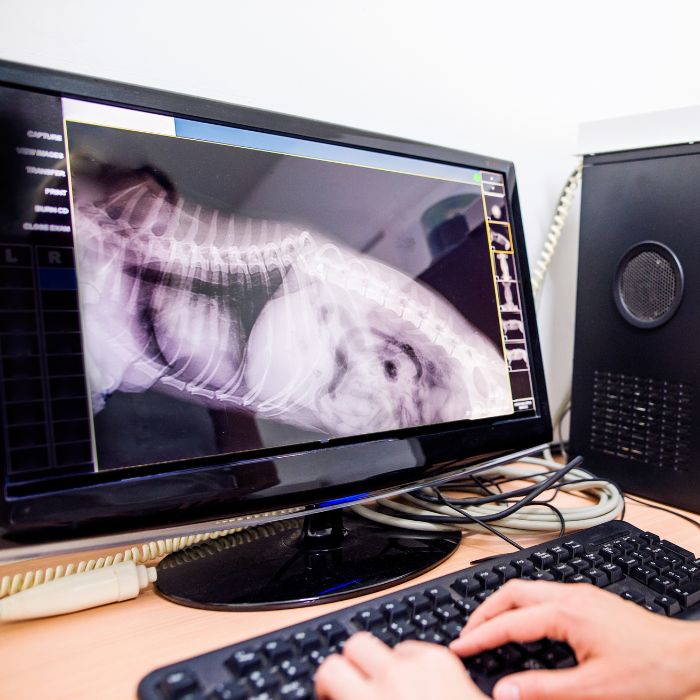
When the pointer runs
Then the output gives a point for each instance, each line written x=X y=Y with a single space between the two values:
x=237 y=321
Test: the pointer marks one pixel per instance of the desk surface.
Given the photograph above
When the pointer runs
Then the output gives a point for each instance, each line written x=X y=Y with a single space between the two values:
x=104 y=652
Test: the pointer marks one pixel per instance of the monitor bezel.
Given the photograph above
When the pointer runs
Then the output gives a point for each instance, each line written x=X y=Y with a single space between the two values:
x=107 y=508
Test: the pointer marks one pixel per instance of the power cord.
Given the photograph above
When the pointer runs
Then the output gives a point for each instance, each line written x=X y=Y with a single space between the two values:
x=120 y=576
x=518 y=511
x=561 y=213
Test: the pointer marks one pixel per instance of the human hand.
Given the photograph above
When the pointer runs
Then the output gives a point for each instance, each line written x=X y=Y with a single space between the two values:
x=369 y=670
x=623 y=651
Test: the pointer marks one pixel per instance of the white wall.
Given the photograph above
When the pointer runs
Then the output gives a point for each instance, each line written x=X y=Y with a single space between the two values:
x=510 y=78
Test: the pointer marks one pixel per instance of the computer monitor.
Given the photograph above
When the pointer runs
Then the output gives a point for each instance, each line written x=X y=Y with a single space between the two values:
x=211 y=311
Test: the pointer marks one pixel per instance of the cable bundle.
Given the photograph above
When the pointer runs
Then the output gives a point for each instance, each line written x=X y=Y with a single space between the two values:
x=519 y=511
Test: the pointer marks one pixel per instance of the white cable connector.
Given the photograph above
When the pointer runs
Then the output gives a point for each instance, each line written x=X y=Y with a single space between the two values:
x=141 y=554
x=89 y=589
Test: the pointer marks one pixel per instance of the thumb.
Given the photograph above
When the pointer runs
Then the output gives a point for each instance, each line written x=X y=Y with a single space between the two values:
x=570 y=683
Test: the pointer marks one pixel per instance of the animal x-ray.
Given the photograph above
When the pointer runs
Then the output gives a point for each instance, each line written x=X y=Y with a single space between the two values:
x=234 y=292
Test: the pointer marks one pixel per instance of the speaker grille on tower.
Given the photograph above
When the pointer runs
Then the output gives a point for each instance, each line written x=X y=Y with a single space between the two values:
x=648 y=284
x=641 y=419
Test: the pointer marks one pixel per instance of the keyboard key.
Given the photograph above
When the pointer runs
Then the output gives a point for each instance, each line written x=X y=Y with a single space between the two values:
x=542 y=560
x=488 y=580
x=466 y=586
x=678 y=577
x=403 y=630
x=660 y=585
x=296 y=669
x=689 y=594
x=560 y=554
x=610 y=553
x=542 y=576
x=228 y=691
x=395 y=611
x=644 y=574
x=575 y=549
x=668 y=561
x=447 y=613
x=317 y=656
x=649 y=537
x=467 y=606
x=578 y=578
x=636 y=543
x=597 y=577
x=333 y=632
x=641 y=557
x=307 y=642
x=432 y=637
x=451 y=630
x=418 y=603
x=649 y=552
x=505 y=572
x=623 y=545
x=613 y=571
x=367 y=619
x=670 y=605
x=691 y=571
x=295 y=691
x=661 y=567
x=634 y=596
x=595 y=560
x=562 y=572
x=178 y=685
x=579 y=565
x=425 y=621
x=524 y=567
x=439 y=595
x=626 y=563
x=244 y=662
x=277 y=651
x=263 y=681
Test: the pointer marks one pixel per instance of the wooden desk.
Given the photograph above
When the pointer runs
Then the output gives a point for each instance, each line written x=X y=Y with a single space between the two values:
x=103 y=653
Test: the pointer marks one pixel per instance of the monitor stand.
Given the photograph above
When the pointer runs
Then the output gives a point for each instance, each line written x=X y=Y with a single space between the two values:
x=303 y=561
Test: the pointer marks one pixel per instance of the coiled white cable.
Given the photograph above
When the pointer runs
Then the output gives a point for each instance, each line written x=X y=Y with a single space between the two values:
x=561 y=212
x=142 y=554
x=533 y=520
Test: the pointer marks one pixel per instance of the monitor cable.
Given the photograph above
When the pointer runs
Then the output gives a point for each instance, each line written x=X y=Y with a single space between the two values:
x=473 y=504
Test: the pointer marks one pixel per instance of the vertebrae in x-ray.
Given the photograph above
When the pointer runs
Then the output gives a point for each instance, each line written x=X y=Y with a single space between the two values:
x=270 y=319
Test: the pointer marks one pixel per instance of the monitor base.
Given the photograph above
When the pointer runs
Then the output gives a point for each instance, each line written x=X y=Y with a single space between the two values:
x=304 y=561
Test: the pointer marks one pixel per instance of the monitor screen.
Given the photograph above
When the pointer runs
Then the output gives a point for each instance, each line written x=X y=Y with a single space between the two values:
x=184 y=293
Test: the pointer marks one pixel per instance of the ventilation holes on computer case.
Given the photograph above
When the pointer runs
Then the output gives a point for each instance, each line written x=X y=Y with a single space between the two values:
x=641 y=419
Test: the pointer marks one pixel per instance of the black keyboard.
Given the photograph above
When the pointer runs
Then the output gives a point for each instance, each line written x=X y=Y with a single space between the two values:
x=638 y=566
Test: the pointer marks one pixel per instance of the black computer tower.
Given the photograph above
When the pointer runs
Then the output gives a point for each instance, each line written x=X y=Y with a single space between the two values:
x=636 y=375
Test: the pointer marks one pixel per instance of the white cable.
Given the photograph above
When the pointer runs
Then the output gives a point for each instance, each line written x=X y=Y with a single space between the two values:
x=532 y=520
x=14 y=584
x=561 y=212
x=111 y=584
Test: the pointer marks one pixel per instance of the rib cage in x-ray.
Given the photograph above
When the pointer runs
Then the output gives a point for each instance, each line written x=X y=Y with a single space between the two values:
x=267 y=318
